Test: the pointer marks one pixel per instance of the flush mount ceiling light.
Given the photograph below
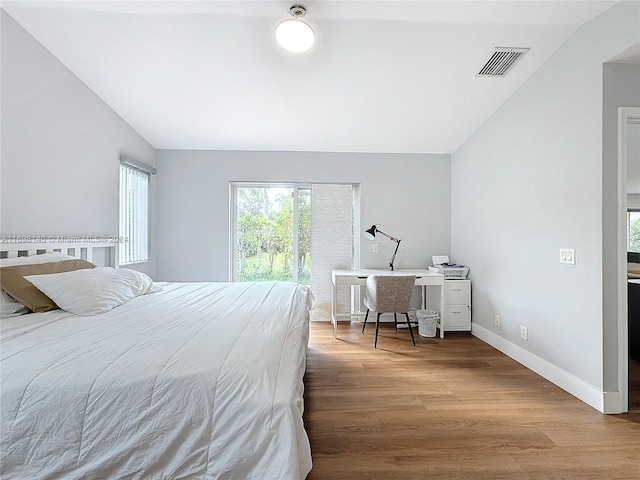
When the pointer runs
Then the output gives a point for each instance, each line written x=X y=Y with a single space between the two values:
x=293 y=34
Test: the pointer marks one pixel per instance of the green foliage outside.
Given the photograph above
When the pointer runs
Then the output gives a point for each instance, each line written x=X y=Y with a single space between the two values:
x=265 y=236
x=634 y=235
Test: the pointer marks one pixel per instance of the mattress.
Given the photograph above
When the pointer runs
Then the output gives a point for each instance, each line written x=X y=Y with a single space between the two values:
x=197 y=380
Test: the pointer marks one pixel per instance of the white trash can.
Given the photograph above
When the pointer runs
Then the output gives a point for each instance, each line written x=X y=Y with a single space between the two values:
x=427 y=320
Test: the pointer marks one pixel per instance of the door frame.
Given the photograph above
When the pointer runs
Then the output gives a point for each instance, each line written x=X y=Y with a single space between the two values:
x=626 y=116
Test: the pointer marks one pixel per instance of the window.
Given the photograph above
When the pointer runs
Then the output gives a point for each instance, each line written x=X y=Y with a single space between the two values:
x=134 y=214
x=633 y=231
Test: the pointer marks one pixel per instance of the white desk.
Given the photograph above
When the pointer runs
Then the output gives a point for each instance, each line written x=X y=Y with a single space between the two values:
x=349 y=278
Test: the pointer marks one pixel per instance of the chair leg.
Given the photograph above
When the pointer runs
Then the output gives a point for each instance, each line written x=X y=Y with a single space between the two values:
x=365 y=321
x=375 y=343
x=410 y=330
x=395 y=319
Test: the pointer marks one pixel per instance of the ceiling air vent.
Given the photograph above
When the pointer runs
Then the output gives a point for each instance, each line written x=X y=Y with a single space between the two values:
x=500 y=61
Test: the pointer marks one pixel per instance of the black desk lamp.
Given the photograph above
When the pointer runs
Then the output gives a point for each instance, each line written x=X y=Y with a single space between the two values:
x=370 y=234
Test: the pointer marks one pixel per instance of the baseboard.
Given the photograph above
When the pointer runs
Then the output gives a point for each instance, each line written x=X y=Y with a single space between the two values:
x=563 y=379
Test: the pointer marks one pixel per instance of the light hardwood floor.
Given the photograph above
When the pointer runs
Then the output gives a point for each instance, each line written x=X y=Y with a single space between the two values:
x=452 y=408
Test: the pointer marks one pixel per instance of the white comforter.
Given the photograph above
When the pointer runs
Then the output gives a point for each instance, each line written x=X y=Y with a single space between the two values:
x=198 y=381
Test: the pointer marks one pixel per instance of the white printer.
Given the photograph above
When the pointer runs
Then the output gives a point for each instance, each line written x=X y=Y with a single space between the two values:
x=450 y=270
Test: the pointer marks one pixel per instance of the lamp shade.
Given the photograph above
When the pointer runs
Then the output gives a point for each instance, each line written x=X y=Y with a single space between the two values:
x=370 y=233
x=294 y=35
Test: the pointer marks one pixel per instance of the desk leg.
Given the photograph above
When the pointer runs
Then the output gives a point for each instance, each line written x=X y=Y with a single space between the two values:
x=334 y=309
x=441 y=312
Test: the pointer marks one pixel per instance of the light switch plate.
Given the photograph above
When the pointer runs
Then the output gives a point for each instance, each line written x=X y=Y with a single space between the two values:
x=568 y=255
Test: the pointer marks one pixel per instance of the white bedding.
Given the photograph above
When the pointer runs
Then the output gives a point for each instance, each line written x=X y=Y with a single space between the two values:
x=198 y=381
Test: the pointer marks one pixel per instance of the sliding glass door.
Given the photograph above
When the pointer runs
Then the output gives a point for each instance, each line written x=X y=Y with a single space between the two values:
x=272 y=232
x=297 y=233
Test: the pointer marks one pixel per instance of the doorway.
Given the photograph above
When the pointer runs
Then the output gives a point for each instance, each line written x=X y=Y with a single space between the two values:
x=628 y=291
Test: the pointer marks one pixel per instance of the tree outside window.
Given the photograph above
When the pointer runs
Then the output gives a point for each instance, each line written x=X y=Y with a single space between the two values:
x=633 y=231
x=266 y=221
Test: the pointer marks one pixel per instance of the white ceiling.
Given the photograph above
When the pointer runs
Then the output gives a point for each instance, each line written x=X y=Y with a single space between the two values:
x=384 y=76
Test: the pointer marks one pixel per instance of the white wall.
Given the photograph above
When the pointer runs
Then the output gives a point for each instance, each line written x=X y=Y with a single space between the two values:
x=60 y=146
x=409 y=195
x=529 y=182
x=633 y=148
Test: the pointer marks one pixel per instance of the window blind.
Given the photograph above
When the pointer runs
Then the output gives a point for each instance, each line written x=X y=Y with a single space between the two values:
x=331 y=244
x=134 y=214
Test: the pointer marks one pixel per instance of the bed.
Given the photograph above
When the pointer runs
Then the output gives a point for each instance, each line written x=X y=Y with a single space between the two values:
x=187 y=380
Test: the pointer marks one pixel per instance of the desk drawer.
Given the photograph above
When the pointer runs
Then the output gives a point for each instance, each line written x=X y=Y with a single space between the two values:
x=351 y=280
x=457 y=292
x=456 y=317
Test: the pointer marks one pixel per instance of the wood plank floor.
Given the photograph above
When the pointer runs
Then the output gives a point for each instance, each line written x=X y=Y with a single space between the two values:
x=452 y=408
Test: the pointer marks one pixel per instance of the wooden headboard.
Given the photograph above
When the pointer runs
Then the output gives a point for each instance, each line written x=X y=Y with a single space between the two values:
x=100 y=252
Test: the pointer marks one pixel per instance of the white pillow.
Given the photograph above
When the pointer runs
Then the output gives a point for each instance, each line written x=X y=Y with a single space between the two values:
x=33 y=259
x=9 y=307
x=91 y=291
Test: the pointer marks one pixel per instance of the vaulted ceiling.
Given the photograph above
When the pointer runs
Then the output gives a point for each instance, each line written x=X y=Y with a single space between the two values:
x=383 y=76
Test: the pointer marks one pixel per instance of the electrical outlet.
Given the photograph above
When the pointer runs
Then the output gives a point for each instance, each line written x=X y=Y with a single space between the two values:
x=374 y=247
x=524 y=333
x=497 y=321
